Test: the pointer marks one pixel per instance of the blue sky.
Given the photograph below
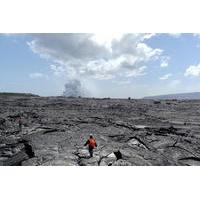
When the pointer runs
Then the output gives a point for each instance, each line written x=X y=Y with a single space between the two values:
x=100 y=65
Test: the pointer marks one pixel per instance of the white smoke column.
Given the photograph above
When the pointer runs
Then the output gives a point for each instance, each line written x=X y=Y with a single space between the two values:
x=73 y=88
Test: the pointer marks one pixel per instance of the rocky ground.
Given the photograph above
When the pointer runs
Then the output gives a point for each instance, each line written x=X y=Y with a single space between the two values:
x=128 y=132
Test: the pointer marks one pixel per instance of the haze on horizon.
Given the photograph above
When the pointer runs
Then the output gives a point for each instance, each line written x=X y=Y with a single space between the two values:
x=100 y=65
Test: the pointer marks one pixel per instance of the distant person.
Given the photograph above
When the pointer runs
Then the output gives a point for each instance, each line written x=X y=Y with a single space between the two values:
x=91 y=142
x=20 y=124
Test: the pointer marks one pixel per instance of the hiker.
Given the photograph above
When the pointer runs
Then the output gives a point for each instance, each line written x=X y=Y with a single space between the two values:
x=91 y=142
x=20 y=124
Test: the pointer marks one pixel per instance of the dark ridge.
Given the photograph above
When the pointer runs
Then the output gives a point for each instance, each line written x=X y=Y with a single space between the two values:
x=25 y=154
x=28 y=149
x=178 y=96
x=7 y=94
x=118 y=154
x=190 y=158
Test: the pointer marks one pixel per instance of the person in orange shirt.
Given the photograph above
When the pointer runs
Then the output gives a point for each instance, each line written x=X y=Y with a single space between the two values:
x=91 y=142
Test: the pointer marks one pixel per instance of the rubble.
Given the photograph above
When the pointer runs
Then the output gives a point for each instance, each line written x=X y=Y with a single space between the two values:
x=128 y=132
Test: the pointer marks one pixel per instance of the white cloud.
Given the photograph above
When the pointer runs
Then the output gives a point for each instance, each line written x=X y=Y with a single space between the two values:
x=164 y=61
x=58 y=70
x=38 y=76
x=165 y=77
x=136 y=72
x=196 y=35
x=106 y=38
x=193 y=70
x=175 y=35
x=122 y=82
x=100 y=56
x=175 y=83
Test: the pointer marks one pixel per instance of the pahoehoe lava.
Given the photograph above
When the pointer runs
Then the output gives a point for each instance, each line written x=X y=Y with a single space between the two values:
x=128 y=132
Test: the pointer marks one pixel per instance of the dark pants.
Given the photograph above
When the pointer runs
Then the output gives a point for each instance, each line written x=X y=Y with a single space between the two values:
x=91 y=151
x=20 y=127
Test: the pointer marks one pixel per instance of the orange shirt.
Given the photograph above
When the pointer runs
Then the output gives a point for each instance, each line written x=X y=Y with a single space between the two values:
x=92 y=143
